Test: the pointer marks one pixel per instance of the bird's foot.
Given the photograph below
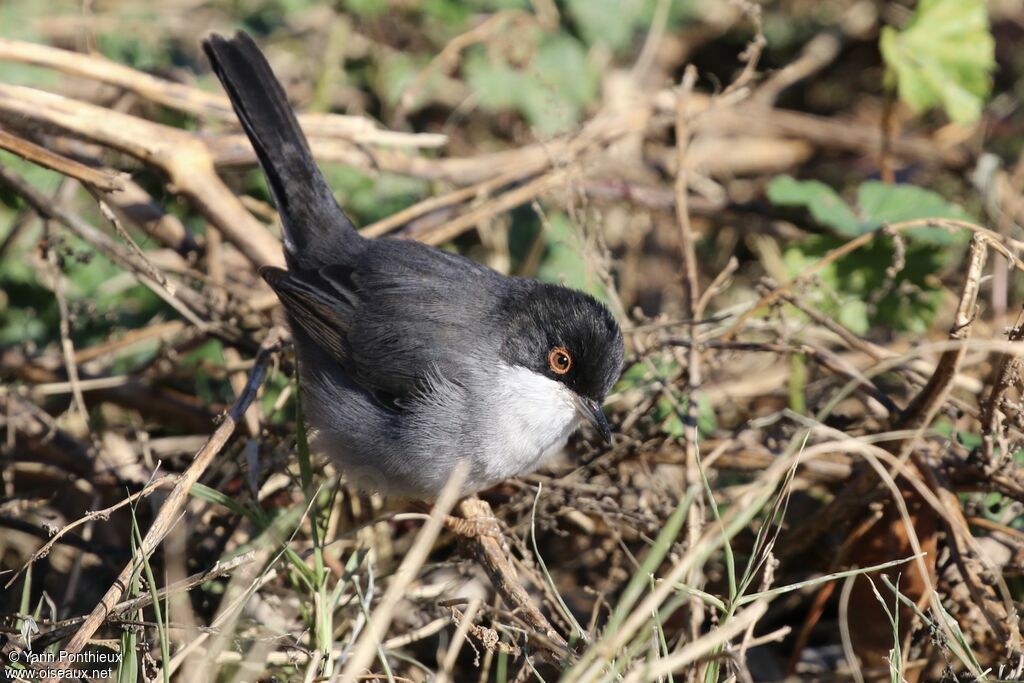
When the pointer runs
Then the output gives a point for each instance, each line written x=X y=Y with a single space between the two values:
x=474 y=527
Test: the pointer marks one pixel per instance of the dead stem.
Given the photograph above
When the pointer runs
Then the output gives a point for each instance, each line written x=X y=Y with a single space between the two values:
x=172 y=506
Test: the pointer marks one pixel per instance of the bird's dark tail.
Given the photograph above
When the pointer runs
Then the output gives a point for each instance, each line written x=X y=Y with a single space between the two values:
x=317 y=231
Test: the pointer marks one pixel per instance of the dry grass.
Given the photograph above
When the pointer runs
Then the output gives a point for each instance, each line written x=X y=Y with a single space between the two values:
x=159 y=500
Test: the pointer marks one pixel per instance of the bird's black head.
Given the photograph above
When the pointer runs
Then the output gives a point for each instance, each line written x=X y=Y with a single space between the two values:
x=567 y=336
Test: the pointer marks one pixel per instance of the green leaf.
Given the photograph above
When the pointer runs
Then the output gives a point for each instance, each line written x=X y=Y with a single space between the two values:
x=561 y=67
x=854 y=314
x=609 y=22
x=944 y=57
x=820 y=199
x=366 y=8
x=855 y=290
x=495 y=5
x=397 y=72
x=562 y=263
x=210 y=495
x=619 y=24
x=369 y=198
x=551 y=91
x=881 y=203
x=878 y=203
x=496 y=84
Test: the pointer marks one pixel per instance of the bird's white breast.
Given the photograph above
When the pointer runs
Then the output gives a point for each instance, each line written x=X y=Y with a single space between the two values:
x=532 y=418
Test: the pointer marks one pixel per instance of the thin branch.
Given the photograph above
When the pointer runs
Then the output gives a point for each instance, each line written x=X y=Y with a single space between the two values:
x=691 y=297
x=181 y=97
x=182 y=156
x=175 y=501
x=146 y=599
x=101 y=180
x=44 y=550
x=493 y=555
x=184 y=300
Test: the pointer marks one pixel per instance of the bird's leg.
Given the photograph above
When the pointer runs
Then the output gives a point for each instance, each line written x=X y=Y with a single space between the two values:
x=493 y=553
x=469 y=526
x=474 y=527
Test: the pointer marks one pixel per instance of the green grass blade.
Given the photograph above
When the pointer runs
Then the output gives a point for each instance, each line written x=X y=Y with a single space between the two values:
x=666 y=537
x=578 y=631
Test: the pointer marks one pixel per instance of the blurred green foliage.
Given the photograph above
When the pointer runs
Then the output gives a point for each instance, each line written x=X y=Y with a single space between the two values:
x=561 y=262
x=551 y=91
x=369 y=198
x=944 y=57
x=878 y=204
x=859 y=292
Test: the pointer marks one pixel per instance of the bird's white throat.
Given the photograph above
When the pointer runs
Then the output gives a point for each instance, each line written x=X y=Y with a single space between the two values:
x=532 y=417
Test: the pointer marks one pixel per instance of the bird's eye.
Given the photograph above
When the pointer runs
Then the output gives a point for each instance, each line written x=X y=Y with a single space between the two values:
x=559 y=360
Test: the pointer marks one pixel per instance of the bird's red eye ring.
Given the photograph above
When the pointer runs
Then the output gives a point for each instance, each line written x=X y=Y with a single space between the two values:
x=559 y=360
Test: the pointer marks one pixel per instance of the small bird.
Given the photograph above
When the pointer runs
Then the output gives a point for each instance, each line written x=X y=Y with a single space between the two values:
x=412 y=359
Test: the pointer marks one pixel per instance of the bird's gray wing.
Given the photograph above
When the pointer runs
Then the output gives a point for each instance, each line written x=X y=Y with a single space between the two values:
x=317 y=308
x=424 y=312
x=404 y=314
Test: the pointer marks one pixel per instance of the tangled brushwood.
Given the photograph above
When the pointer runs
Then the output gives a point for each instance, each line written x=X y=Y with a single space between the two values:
x=813 y=245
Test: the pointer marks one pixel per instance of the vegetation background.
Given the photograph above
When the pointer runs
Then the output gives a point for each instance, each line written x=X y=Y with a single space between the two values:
x=806 y=215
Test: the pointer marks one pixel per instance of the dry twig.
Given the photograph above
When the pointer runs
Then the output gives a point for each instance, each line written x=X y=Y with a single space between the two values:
x=175 y=501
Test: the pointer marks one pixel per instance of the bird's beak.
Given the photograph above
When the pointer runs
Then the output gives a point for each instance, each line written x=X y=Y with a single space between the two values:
x=591 y=410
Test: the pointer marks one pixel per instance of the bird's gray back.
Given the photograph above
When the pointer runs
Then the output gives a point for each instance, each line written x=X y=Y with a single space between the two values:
x=415 y=286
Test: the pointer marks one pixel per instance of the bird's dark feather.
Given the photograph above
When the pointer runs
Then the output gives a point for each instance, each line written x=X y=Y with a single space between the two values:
x=317 y=231
x=350 y=311
x=323 y=316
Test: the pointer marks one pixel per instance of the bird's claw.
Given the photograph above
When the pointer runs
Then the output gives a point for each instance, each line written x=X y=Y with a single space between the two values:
x=475 y=527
